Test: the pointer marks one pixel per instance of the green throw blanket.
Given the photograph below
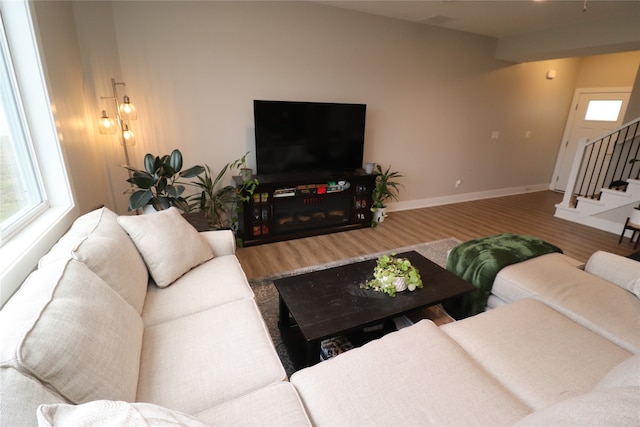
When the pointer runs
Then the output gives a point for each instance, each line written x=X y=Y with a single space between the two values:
x=478 y=262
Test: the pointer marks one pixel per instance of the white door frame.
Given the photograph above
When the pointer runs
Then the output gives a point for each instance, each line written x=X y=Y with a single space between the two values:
x=572 y=115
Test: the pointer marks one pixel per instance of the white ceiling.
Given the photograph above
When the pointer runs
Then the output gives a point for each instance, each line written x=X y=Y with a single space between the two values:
x=508 y=19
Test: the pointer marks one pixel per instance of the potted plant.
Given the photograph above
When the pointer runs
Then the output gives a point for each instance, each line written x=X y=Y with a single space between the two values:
x=157 y=184
x=393 y=274
x=385 y=189
x=213 y=198
x=216 y=200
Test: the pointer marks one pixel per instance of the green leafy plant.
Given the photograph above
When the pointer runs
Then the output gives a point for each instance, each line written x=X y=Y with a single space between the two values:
x=386 y=188
x=243 y=194
x=213 y=198
x=158 y=183
x=221 y=202
x=389 y=270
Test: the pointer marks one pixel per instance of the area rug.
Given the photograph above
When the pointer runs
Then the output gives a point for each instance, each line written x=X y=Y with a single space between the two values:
x=266 y=294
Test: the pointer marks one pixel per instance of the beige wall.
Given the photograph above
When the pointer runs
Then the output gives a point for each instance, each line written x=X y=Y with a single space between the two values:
x=434 y=96
x=69 y=91
x=633 y=110
x=612 y=70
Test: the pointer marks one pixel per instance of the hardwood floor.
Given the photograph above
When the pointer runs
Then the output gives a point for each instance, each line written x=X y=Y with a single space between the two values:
x=529 y=213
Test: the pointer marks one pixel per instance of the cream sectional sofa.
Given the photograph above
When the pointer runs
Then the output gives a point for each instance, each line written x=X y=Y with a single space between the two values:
x=561 y=348
x=88 y=326
x=90 y=339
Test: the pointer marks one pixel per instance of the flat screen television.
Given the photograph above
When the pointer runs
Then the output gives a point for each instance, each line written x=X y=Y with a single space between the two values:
x=308 y=137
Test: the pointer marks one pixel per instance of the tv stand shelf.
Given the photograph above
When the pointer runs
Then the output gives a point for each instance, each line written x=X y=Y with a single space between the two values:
x=291 y=206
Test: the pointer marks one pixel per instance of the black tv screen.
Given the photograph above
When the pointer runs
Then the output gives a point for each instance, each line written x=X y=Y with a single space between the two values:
x=309 y=137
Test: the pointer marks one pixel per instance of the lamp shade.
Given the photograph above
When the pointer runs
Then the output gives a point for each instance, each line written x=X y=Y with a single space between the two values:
x=128 y=137
x=127 y=110
x=106 y=123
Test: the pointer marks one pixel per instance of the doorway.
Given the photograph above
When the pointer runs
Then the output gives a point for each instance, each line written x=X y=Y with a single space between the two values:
x=594 y=113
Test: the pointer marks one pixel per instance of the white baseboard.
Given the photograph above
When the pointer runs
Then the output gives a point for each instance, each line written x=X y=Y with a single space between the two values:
x=465 y=197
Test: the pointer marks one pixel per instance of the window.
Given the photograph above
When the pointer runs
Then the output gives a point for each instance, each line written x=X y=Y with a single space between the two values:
x=41 y=207
x=603 y=110
x=21 y=195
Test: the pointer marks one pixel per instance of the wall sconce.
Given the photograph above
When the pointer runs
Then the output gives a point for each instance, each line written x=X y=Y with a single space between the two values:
x=124 y=112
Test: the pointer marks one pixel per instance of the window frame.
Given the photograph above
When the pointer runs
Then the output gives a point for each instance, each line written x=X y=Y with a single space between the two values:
x=22 y=145
x=20 y=253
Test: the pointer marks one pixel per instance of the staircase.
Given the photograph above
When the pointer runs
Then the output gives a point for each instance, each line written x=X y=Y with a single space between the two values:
x=604 y=183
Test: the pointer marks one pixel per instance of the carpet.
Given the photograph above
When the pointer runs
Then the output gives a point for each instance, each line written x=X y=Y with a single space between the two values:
x=266 y=295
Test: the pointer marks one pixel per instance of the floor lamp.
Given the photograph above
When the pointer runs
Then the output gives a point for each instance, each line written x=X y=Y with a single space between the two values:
x=124 y=112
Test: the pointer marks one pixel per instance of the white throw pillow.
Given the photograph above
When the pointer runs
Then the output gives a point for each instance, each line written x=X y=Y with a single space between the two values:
x=169 y=245
x=97 y=240
x=66 y=327
x=105 y=413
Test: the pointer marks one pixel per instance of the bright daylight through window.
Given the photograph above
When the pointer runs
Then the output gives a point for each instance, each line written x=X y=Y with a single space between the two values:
x=603 y=110
x=20 y=192
x=36 y=202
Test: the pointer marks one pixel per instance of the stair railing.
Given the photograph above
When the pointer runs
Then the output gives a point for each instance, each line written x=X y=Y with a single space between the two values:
x=604 y=163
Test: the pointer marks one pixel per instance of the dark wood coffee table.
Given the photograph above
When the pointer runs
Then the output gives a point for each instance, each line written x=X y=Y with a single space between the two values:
x=328 y=303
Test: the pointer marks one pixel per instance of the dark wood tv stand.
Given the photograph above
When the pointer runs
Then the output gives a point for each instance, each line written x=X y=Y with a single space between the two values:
x=291 y=206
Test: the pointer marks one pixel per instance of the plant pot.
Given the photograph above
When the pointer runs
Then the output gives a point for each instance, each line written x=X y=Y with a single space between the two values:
x=379 y=215
x=246 y=174
x=400 y=284
x=148 y=209
x=198 y=220
x=369 y=168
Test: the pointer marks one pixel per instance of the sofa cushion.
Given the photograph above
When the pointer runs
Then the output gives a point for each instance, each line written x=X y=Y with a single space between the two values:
x=221 y=242
x=626 y=374
x=593 y=302
x=169 y=245
x=217 y=281
x=198 y=361
x=20 y=396
x=98 y=241
x=80 y=229
x=614 y=407
x=71 y=331
x=535 y=352
x=274 y=405
x=511 y=282
x=624 y=272
x=112 y=413
x=435 y=383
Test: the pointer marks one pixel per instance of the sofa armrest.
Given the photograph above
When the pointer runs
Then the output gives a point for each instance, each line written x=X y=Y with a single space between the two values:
x=614 y=268
x=222 y=242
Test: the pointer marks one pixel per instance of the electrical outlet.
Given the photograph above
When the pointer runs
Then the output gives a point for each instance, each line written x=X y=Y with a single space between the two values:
x=495 y=134
x=527 y=134
x=458 y=183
